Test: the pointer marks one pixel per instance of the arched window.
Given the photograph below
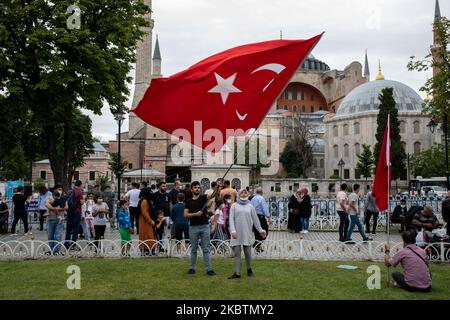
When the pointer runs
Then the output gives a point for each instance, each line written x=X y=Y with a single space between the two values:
x=315 y=163
x=295 y=109
x=357 y=149
x=346 y=151
x=345 y=129
x=416 y=147
x=356 y=128
x=335 y=131
x=402 y=127
x=312 y=109
x=294 y=94
x=404 y=146
x=416 y=126
x=285 y=107
x=320 y=108
x=322 y=163
x=286 y=95
x=236 y=183
x=205 y=184
x=336 y=151
x=303 y=109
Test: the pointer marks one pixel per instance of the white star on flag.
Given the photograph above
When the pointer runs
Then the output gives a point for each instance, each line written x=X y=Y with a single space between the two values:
x=225 y=87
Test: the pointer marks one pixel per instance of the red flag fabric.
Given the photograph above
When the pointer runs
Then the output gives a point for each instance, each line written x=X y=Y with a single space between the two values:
x=382 y=181
x=224 y=95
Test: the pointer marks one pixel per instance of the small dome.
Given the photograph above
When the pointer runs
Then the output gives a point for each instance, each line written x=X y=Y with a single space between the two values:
x=364 y=98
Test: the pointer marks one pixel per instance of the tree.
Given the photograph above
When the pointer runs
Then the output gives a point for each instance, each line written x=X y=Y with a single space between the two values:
x=50 y=71
x=297 y=155
x=365 y=162
x=15 y=166
x=116 y=165
x=437 y=87
x=398 y=156
x=83 y=143
x=430 y=163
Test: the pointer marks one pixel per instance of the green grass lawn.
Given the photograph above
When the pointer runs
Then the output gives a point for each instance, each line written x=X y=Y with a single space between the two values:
x=167 y=279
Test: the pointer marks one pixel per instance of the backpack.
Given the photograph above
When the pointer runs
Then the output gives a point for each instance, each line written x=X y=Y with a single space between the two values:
x=71 y=201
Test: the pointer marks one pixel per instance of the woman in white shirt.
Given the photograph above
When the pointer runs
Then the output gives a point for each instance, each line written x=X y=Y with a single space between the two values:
x=100 y=215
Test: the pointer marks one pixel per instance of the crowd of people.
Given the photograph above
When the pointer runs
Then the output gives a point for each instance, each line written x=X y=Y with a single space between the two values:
x=220 y=214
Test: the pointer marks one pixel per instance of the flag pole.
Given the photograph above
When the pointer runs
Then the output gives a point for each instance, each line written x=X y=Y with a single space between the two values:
x=284 y=88
x=388 y=152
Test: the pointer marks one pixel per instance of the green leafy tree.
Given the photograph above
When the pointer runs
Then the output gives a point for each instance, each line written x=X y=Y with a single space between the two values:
x=38 y=183
x=15 y=166
x=430 y=163
x=398 y=156
x=297 y=155
x=436 y=88
x=50 y=71
x=365 y=162
x=103 y=181
x=116 y=165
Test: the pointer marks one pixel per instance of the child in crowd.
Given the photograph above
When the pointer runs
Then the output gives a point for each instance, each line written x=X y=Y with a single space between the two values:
x=160 y=224
x=125 y=228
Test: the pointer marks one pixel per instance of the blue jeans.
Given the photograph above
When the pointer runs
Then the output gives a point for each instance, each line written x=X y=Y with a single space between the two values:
x=354 y=220
x=54 y=234
x=305 y=223
x=196 y=233
x=343 y=225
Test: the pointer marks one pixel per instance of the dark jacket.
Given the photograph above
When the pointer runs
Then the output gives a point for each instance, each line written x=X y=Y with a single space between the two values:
x=399 y=212
x=305 y=207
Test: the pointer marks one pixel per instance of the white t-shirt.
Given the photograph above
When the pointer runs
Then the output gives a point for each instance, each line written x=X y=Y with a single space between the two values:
x=101 y=218
x=133 y=197
x=353 y=197
x=340 y=196
x=220 y=214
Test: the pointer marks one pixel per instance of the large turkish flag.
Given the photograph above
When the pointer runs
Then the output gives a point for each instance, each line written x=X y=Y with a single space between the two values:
x=227 y=92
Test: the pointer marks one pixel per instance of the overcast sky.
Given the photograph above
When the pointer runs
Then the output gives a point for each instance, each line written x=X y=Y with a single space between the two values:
x=391 y=30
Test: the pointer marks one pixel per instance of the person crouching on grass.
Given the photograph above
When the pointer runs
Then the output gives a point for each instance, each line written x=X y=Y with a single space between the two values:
x=242 y=219
x=125 y=228
x=414 y=260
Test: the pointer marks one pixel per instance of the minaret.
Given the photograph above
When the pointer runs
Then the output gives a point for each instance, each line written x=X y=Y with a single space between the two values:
x=380 y=75
x=434 y=47
x=143 y=71
x=366 y=68
x=156 y=61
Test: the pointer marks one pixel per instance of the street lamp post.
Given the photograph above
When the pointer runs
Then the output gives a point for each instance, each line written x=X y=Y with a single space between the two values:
x=432 y=126
x=341 y=164
x=119 y=116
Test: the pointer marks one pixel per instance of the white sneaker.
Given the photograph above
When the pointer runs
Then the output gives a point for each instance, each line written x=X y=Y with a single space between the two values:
x=29 y=233
x=14 y=234
x=306 y=231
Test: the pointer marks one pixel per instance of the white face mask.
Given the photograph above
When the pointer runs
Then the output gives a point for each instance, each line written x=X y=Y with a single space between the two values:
x=402 y=205
x=229 y=201
x=244 y=198
x=99 y=201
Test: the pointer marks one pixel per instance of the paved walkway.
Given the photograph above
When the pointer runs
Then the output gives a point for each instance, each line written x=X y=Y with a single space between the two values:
x=273 y=235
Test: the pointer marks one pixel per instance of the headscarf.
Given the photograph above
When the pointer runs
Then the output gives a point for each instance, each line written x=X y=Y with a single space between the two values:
x=299 y=191
x=240 y=201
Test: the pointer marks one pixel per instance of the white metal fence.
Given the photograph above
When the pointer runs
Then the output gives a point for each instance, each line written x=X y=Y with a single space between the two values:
x=272 y=249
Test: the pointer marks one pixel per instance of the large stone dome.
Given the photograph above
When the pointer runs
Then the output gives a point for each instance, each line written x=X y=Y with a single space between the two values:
x=364 y=98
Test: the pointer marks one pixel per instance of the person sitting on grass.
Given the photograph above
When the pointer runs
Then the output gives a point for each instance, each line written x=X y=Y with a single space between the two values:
x=125 y=228
x=414 y=260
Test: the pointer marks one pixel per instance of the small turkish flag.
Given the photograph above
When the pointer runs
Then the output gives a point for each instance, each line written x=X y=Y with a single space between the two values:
x=224 y=95
x=383 y=175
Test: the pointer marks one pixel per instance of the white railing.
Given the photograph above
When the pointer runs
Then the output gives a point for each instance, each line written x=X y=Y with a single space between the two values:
x=272 y=249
